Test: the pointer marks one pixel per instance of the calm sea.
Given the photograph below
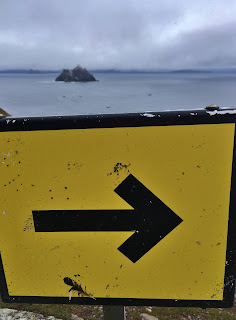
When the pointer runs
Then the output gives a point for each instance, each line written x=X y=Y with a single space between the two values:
x=39 y=95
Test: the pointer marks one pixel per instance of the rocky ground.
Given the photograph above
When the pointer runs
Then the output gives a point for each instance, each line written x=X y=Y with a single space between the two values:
x=96 y=312
x=11 y=314
x=76 y=312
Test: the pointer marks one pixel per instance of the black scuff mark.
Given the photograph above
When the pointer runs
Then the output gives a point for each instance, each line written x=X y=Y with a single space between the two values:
x=54 y=248
x=118 y=167
x=28 y=224
x=74 y=286
x=74 y=165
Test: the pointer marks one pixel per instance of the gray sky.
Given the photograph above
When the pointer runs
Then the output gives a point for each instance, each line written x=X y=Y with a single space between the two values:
x=123 y=34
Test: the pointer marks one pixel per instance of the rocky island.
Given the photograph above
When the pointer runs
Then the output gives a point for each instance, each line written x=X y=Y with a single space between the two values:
x=77 y=74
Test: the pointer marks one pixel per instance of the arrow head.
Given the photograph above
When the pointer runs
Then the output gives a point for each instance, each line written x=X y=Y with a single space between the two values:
x=154 y=219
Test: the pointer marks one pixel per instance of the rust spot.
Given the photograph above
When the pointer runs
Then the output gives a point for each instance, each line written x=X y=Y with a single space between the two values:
x=107 y=286
x=218 y=243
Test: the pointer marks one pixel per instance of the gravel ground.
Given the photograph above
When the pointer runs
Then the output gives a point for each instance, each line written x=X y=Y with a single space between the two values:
x=11 y=314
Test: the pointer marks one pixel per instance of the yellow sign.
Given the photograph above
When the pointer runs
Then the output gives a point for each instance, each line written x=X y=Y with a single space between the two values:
x=186 y=167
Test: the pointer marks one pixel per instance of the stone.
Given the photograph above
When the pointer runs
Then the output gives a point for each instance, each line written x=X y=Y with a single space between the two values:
x=12 y=314
x=75 y=317
x=77 y=74
x=3 y=113
x=145 y=316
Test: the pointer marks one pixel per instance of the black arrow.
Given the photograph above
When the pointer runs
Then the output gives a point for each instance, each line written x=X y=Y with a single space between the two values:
x=151 y=220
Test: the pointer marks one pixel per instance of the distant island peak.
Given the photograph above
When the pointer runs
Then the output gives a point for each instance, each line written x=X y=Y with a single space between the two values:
x=78 y=74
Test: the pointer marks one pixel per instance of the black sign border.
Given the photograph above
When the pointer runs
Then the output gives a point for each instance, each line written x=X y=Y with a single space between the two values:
x=144 y=119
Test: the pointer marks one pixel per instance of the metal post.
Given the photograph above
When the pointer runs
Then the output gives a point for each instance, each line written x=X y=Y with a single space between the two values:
x=114 y=313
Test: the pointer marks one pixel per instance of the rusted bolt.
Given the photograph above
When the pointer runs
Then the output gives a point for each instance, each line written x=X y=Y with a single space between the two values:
x=212 y=107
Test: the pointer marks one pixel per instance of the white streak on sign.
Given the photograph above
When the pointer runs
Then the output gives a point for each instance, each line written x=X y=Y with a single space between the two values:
x=213 y=113
x=149 y=115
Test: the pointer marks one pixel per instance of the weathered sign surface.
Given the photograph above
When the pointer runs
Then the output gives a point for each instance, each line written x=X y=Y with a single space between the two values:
x=135 y=209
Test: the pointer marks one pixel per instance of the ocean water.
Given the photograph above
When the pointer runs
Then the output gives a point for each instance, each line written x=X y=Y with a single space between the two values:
x=39 y=95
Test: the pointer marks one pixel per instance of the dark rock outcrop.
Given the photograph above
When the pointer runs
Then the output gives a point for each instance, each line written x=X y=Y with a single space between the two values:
x=77 y=74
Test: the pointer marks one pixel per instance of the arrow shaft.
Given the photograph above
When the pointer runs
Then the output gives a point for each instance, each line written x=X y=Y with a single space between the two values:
x=151 y=220
x=84 y=220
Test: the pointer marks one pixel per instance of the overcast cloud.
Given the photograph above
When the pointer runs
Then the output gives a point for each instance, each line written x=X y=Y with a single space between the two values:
x=123 y=34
